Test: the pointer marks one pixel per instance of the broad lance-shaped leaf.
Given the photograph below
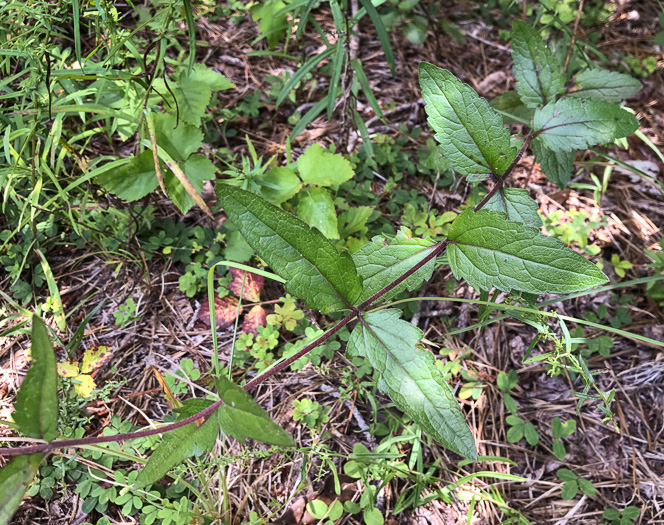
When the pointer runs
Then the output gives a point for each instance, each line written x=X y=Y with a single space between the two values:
x=241 y=417
x=609 y=86
x=517 y=205
x=556 y=165
x=470 y=132
x=486 y=250
x=571 y=124
x=383 y=260
x=314 y=270
x=409 y=377
x=539 y=77
x=15 y=479
x=181 y=443
x=37 y=402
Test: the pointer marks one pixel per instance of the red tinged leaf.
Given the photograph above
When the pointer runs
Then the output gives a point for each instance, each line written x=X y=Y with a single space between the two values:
x=253 y=284
x=255 y=318
x=225 y=310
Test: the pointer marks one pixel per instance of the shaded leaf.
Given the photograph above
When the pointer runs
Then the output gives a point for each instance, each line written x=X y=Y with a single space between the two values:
x=539 y=76
x=409 y=377
x=383 y=260
x=179 y=444
x=571 y=124
x=193 y=97
x=253 y=284
x=197 y=169
x=353 y=220
x=132 y=180
x=37 y=402
x=570 y=490
x=316 y=208
x=609 y=86
x=256 y=317
x=487 y=250
x=517 y=205
x=225 y=309
x=510 y=102
x=322 y=168
x=436 y=160
x=284 y=183
x=241 y=417
x=15 y=478
x=215 y=81
x=315 y=271
x=179 y=140
x=470 y=132
x=556 y=165
x=560 y=429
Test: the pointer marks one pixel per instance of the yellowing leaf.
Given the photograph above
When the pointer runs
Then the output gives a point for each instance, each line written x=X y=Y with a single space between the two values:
x=253 y=283
x=84 y=384
x=68 y=368
x=95 y=357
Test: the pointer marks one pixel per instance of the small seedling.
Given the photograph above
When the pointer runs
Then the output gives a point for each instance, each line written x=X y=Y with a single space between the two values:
x=505 y=383
x=625 y=517
x=573 y=483
x=520 y=428
x=560 y=430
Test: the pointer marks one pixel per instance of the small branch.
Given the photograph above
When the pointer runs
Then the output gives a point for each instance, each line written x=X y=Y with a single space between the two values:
x=501 y=180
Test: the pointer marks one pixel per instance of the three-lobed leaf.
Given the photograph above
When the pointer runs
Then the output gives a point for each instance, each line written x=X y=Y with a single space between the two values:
x=470 y=131
x=609 y=86
x=489 y=251
x=539 y=76
x=571 y=124
x=408 y=375
x=37 y=401
x=383 y=260
x=241 y=417
x=517 y=205
x=314 y=270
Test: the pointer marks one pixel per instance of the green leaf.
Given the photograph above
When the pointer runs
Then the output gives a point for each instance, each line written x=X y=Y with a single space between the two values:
x=284 y=184
x=559 y=450
x=372 y=516
x=316 y=208
x=539 y=77
x=354 y=220
x=436 y=160
x=314 y=270
x=486 y=250
x=409 y=377
x=179 y=142
x=132 y=180
x=611 y=514
x=15 y=478
x=215 y=81
x=377 y=22
x=570 y=489
x=566 y=474
x=515 y=433
x=571 y=124
x=243 y=418
x=193 y=97
x=531 y=434
x=609 y=86
x=470 y=132
x=517 y=205
x=586 y=487
x=383 y=260
x=322 y=168
x=181 y=443
x=560 y=429
x=631 y=512
x=270 y=26
x=197 y=169
x=317 y=508
x=37 y=402
x=302 y=72
x=556 y=165
x=366 y=88
x=510 y=103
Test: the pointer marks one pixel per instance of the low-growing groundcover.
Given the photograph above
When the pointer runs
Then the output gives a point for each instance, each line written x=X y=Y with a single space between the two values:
x=356 y=266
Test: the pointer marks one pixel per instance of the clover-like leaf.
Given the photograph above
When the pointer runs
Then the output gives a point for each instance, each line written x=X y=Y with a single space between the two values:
x=408 y=375
x=539 y=76
x=489 y=251
x=571 y=124
x=314 y=270
x=470 y=132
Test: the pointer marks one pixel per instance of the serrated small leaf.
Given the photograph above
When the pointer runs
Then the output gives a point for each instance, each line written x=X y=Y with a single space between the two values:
x=215 y=81
x=253 y=284
x=571 y=124
x=539 y=76
x=36 y=409
x=556 y=165
x=316 y=208
x=314 y=270
x=242 y=418
x=15 y=479
x=193 y=97
x=488 y=251
x=353 y=220
x=322 y=168
x=383 y=260
x=470 y=132
x=284 y=183
x=179 y=444
x=609 y=86
x=179 y=139
x=132 y=180
x=408 y=375
x=517 y=205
